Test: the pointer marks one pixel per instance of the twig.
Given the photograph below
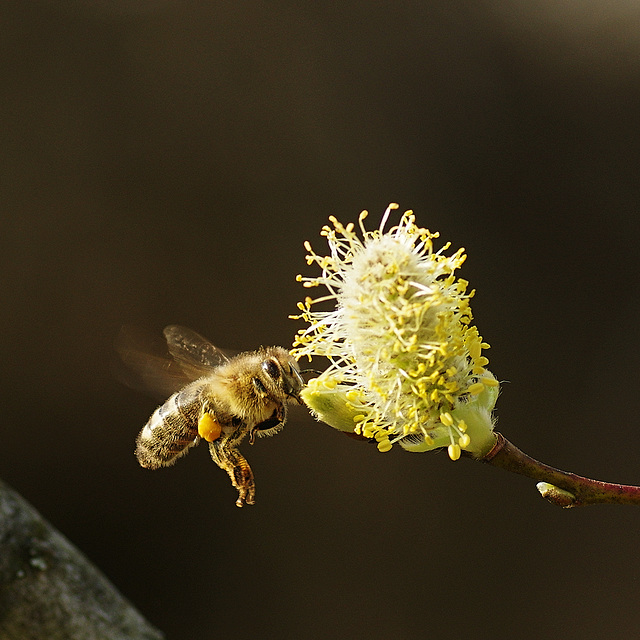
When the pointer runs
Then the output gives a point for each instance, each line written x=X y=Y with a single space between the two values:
x=559 y=487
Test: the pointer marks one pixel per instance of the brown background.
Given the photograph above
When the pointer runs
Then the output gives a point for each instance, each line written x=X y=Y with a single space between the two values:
x=164 y=162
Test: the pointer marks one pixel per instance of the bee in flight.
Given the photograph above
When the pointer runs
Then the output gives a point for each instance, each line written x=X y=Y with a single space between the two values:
x=224 y=400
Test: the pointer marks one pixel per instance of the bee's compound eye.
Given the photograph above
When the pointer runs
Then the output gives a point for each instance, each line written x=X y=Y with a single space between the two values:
x=271 y=368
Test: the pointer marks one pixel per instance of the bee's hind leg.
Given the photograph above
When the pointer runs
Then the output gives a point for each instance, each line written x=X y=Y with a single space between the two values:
x=234 y=463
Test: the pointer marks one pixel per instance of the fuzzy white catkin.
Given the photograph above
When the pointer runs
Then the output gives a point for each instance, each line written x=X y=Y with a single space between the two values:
x=406 y=364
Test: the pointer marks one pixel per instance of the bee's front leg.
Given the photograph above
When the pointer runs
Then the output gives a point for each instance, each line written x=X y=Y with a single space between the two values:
x=227 y=457
x=271 y=425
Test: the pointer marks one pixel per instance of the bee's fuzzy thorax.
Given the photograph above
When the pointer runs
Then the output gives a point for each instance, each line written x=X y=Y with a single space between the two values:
x=245 y=389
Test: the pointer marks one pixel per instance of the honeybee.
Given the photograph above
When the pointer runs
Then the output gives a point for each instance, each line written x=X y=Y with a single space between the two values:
x=224 y=400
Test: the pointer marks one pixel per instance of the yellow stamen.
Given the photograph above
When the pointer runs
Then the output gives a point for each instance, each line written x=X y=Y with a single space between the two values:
x=446 y=419
x=454 y=451
x=476 y=388
x=464 y=441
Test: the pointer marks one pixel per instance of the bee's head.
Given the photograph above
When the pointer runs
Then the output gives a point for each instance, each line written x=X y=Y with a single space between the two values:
x=278 y=375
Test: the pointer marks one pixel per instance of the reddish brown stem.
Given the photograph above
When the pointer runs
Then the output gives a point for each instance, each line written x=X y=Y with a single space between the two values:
x=583 y=491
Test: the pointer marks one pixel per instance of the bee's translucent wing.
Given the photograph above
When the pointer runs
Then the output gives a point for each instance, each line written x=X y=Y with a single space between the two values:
x=147 y=365
x=195 y=354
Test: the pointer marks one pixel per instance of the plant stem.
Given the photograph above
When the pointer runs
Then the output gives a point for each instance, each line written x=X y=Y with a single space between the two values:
x=559 y=487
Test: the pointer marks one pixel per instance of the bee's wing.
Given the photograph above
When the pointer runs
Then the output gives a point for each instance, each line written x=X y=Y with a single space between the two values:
x=195 y=354
x=146 y=366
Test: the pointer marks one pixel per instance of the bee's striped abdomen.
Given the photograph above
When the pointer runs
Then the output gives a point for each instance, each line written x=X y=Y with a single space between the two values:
x=172 y=429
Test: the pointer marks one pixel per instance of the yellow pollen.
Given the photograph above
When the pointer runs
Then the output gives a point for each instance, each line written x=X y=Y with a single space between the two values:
x=209 y=428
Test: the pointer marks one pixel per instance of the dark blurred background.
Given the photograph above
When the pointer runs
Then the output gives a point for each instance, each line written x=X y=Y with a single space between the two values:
x=163 y=162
